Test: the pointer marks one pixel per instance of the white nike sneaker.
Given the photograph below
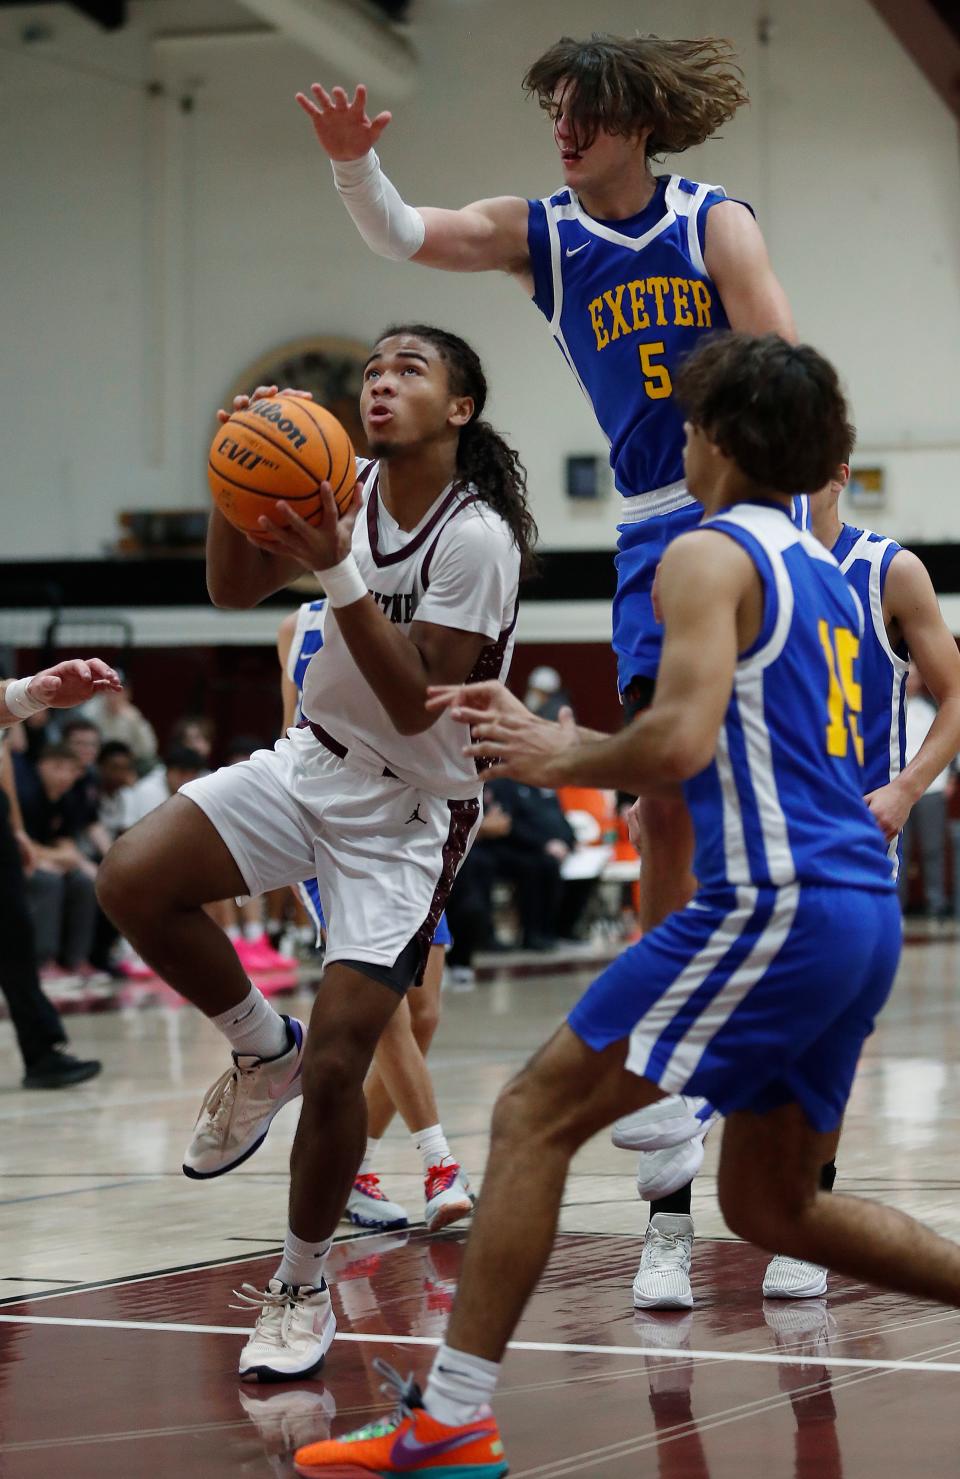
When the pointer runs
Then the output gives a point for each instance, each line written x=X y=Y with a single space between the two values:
x=662 y=1172
x=658 y=1126
x=793 y=1278
x=239 y=1108
x=294 y=1331
x=447 y=1195
x=368 y=1206
x=663 y=1278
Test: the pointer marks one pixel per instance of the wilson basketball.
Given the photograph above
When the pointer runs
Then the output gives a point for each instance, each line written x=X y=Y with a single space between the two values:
x=282 y=447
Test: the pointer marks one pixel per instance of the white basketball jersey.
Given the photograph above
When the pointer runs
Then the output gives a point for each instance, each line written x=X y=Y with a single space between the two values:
x=460 y=568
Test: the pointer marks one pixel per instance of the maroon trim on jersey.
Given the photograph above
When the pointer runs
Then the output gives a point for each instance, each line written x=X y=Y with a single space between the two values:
x=489 y=665
x=373 y=533
x=463 y=817
x=425 y=567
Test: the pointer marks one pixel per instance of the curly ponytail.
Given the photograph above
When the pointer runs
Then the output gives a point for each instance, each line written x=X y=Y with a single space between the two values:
x=483 y=457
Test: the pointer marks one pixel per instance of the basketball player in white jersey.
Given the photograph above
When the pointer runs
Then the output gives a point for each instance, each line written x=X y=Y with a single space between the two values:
x=374 y=796
x=399 y=1078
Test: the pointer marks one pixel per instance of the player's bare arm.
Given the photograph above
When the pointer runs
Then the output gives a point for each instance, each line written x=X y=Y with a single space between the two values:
x=711 y=599
x=736 y=258
x=487 y=236
x=399 y=667
x=60 y=687
x=243 y=570
x=912 y=610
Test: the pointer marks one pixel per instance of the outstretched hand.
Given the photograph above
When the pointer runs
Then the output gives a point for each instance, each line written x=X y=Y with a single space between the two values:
x=316 y=546
x=73 y=682
x=503 y=730
x=342 y=127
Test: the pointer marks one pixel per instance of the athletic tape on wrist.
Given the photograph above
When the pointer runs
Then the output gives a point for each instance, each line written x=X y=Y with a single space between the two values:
x=343 y=583
x=19 y=700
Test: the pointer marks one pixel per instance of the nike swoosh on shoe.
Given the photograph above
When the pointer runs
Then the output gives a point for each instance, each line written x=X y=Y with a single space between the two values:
x=408 y=1449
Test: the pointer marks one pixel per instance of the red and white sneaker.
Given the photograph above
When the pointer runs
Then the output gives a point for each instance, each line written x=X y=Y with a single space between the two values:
x=294 y=1331
x=447 y=1195
x=369 y=1206
x=409 y=1441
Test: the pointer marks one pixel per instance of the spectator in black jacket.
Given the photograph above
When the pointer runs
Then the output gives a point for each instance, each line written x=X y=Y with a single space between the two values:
x=530 y=856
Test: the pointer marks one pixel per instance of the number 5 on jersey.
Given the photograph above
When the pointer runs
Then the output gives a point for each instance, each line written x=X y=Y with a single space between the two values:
x=656 y=378
x=844 y=695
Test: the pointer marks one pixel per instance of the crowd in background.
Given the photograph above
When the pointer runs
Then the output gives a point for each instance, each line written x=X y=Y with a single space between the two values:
x=84 y=777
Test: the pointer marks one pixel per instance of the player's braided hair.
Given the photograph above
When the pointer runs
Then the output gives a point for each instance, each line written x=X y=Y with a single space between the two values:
x=683 y=91
x=483 y=457
x=775 y=409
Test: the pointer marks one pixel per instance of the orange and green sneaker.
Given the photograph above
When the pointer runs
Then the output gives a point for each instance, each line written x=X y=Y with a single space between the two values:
x=408 y=1441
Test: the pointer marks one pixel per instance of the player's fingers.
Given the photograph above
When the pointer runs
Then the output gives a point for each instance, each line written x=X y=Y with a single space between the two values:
x=241 y=402
x=379 y=124
x=44 y=686
x=309 y=107
x=263 y=392
x=223 y=416
x=301 y=395
x=359 y=103
x=339 y=96
x=322 y=96
x=100 y=669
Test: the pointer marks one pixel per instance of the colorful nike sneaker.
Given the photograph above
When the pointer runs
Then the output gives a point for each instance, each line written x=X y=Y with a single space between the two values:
x=409 y=1441
x=369 y=1206
x=447 y=1195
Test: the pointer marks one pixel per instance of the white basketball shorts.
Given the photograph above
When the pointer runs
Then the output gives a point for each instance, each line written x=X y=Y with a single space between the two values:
x=384 y=853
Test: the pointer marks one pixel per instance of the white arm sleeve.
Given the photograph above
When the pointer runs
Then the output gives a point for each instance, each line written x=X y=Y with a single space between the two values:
x=389 y=226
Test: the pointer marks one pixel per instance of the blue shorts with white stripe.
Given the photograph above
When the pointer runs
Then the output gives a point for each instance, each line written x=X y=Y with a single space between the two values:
x=752 y=997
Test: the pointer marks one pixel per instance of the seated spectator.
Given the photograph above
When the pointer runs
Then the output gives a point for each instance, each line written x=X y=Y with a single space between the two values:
x=530 y=856
x=117 y=718
x=181 y=764
x=82 y=801
x=193 y=732
x=60 y=890
x=470 y=902
x=116 y=773
x=546 y=695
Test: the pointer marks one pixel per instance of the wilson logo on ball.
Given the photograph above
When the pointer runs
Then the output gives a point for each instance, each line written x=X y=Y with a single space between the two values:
x=269 y=411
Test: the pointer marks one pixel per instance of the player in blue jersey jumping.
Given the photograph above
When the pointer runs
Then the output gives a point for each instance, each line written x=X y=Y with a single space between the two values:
x=632 y=270
x=903 y=624
x=758 y=994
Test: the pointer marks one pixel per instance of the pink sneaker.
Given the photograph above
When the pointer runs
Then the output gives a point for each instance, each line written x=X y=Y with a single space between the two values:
x=259 y=955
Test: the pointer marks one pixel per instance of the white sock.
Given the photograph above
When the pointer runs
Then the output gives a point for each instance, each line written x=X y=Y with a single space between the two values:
x=369 y=1155
x=302 y=1263
x=232 y=932
x=458 y=1386
x=432 y=1145
x=253 y=931
x=253 y=1027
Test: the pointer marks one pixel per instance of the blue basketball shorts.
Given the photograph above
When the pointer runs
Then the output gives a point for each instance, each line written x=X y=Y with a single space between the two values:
x=752 y=997
x=637 y=635
x=309 y=892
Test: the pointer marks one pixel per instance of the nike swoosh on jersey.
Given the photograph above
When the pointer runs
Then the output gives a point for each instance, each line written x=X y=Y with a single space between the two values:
x=408 y=1449
x=572 y=251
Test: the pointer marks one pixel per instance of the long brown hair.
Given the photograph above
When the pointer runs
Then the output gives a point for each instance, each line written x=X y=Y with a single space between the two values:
x=683 y=91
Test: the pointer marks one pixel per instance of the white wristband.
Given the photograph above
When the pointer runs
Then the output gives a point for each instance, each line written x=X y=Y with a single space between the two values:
x=19 y=700
x=389 y=226
x=343 y=583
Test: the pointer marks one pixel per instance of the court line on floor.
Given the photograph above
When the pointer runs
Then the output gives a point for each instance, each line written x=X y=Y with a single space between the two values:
x=544 y=1347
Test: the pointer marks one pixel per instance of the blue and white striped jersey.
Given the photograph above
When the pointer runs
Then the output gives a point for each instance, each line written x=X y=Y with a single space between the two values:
x=790 y=751
x=864 y=558
x=307 y=640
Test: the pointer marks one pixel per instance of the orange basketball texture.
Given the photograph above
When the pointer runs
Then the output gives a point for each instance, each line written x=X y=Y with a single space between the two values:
x=282 y=447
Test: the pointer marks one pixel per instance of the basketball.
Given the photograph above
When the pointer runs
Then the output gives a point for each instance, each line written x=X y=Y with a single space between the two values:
x=279 y=448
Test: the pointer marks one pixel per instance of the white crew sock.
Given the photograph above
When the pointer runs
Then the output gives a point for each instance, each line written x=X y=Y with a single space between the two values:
x=369 y=1156
x=432 y=1145
x=458 y=1386
x=302 y=1263
x=253 y=931
x=253 y=1028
